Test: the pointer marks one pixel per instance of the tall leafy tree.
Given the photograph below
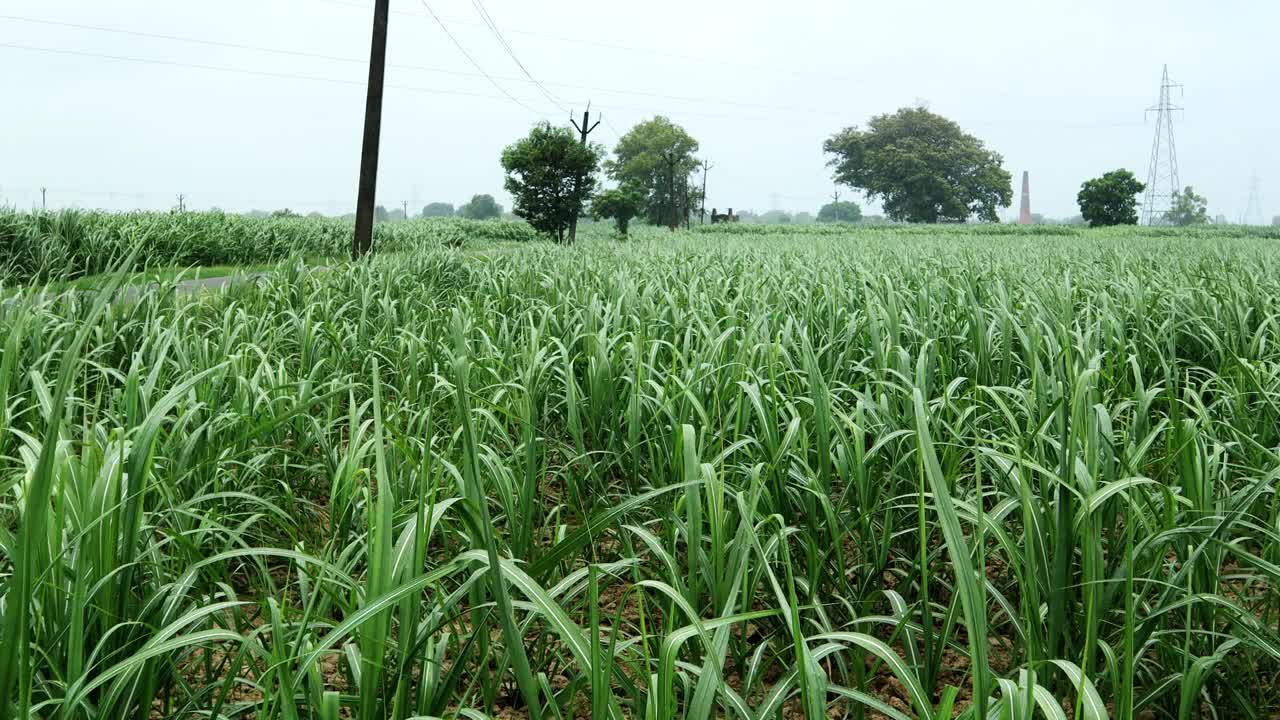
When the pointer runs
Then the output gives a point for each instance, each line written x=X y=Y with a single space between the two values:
x=922 y=167
x=840 y=211
x=1188 y=209
x=657 y=158
x=1111 y=199
x=438 y=209
x=481 y=207
x=551 y=175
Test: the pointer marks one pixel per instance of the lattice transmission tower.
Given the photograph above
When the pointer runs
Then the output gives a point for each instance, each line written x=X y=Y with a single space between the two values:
x=1253 y=211
x=1162 y=178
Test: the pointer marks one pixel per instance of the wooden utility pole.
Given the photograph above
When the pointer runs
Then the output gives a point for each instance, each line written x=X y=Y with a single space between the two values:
x=706 y=168
x=405 y=203
x=363 y=241
x=44 y=199
x=182 y=203
x=584 y=130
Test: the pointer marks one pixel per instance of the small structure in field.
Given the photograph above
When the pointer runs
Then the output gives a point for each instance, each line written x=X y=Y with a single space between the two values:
x=717 y=218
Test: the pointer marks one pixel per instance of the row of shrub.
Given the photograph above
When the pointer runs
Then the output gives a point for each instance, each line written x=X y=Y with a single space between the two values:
x=44 y=246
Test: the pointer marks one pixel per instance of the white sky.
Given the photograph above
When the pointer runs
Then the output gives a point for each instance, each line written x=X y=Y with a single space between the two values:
x=1057 y=86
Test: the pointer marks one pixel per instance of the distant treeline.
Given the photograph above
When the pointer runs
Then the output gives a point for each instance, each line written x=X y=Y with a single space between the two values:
x=481 y=207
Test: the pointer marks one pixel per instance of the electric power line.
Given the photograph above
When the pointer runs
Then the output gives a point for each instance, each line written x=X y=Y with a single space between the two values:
x=475 y=64
x=612 y=129
x=493 y=28
x=775 y=69
x=314 y=78
x=201 y=41
x=421 y=68
x=804 y=73
x=241 y=71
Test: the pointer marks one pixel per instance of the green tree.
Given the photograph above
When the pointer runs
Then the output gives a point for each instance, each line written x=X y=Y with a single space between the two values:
x=656 y=157
x=619 y=204
x=841 y=211
x=775 y=217
x=1188 y=209
x=1275 y=221
x=551 y=175
x=481 y=207
x=1111 y=199
x=380 y=214
x=438 y=209
x=923 y=167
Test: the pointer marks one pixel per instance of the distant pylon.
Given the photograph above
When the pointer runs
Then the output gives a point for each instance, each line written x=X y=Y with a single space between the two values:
x=1253 y=212
x=1024 y=217
x=1162 y=179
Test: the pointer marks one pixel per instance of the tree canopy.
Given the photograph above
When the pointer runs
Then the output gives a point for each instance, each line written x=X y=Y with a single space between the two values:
x=840 y=211
x=620 y=204
x=922 y=167
x=438 y=209
x=551 y=175
x=481 y=207
x=1188 y=209
x=656 y=157
x=1110 y=199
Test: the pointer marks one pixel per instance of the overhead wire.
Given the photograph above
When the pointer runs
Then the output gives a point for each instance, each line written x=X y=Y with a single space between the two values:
x=612 y=129
x=475 y=64
x=493 y=28
x=421 y=68
x=772 y=68
x=299 y=76
x=481 y=73
x=241 y=71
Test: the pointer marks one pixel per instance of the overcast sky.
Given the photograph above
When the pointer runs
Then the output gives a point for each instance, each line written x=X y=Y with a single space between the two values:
x=1058 y=87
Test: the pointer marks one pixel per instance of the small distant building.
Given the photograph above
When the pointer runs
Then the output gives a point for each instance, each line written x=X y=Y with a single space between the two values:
x=717 y=218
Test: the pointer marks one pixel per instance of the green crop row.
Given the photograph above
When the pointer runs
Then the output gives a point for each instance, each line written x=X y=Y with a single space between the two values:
x=41 y=247
x=867 y=476
x=1204 y=232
